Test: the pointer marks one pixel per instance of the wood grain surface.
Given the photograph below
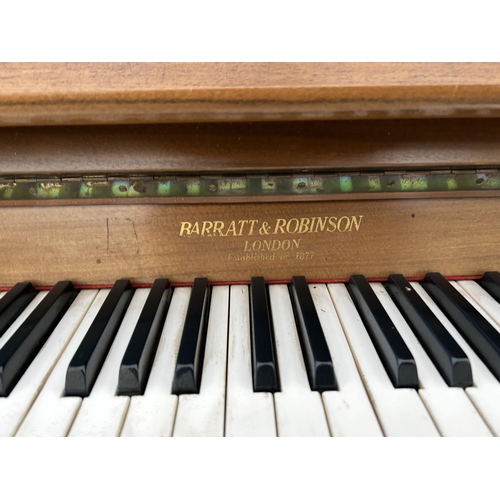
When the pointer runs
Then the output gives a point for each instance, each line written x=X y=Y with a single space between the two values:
x=97 y=244
x=84 y=93
x=203 y=149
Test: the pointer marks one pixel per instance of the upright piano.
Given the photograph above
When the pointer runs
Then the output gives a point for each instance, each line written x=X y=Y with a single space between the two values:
x=250 y=250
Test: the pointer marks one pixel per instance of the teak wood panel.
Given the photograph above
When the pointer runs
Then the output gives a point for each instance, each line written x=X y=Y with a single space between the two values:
x=99 y=244
x=210 y=148
x=83 y=93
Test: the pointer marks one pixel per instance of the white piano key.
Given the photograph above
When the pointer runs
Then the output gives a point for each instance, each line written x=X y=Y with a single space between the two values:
x=443 y=402
x=248 y=413
x=203 y=414
x=21 y=318
x=102 y=413
x=14 y=407
x=480 y=299
x=2 y=294
x=299 y=410
x=52 y=413
x=400 y=411
x=485 y=393
x=153 y=413
x=348 y=409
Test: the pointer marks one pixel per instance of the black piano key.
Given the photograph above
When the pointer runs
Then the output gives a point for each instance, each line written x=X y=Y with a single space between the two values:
x=317 y=357
x=491 y=283
x=446 y=354
x=265 y=371
x=84 y=368
x=13 y=303
x=20 y=350
x=394 y=353
x=138 y=358
x=482 y=337
x=187 y=376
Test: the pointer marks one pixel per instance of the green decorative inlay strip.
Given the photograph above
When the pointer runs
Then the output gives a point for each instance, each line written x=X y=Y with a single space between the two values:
x=265 y=185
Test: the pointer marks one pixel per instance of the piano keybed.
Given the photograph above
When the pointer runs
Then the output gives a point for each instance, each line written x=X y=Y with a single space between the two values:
x=237 y=360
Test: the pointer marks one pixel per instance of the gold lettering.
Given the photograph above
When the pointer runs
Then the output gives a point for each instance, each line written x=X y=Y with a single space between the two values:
x=347 y=225
x=231 y=228
x=280 y=224
x=276 y=245
x=332 y=221
x=242 y=224
x=206 y=226
x=218 y=227
x=313 y=220
x=257 y=245
x=304 y=225
x=252 y=224
x=288 y=226
x=354 y=222
x=321 y=224
x=285 y=244
x=196 y=228
x=246 y=249
x=185 y=226
x=295 y=243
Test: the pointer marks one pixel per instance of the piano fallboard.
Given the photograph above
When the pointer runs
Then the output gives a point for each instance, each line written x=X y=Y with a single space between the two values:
x=322 y=240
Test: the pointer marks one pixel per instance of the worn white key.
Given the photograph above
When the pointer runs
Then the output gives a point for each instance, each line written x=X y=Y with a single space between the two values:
x=102 y=413
x=485 y=393
x=2 y=294
x=248 y=413
x=480 y=299
x=348 y=409
x=451 y=409
x=299 y=410
x=14 y=407
x=153 y=413
x=203 y=414
x=52 y=413
x=400 y=411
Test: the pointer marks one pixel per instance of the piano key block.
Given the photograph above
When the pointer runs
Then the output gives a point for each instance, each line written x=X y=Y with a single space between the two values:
x=190 y=356
x=348 y=408
x=14 y=302
x=85 y=366
x=153 y=413
x=391 y=348
x=103 y=412
x=400 y=411
x=442 y=401
x=136 y=363
x=203 y=414
x=446 y=354
x=299 y=410
x=52 y=413
x=23 y=346
x=479 y=332
x=265 y=372
x=302 y=329
x=14 y=408
x=248 y=413
x=486 y=389
x=316 y=355
x=481 y=299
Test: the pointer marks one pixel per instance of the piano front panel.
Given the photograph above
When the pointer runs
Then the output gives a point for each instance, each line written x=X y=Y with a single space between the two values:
x=322 y=240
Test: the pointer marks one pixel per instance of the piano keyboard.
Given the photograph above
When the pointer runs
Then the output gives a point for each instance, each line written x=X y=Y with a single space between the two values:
x=355 y=359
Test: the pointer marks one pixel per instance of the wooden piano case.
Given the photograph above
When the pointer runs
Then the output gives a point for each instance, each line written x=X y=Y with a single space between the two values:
x=232 y=171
